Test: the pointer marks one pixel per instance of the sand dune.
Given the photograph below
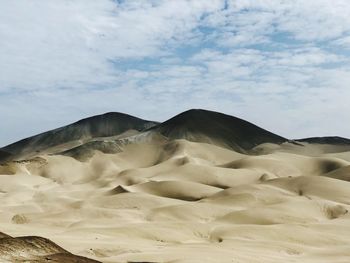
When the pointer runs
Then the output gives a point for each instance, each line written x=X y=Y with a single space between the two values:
x=161 y=199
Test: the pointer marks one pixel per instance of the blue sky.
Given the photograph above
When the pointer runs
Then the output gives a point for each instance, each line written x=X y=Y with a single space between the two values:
x=284 y=65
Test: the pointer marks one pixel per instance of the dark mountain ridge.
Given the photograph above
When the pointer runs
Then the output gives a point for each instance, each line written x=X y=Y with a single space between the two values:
x=4 y=154
x=109 y=132
x=209 y=126
x=335 y=140
x=104 y=125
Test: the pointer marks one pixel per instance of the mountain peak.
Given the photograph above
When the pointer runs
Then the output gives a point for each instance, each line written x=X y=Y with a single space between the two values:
x=104 y=125
x=210 y=126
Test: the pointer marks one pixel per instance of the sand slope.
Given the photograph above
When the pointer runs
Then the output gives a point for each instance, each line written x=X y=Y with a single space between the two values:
x=183 y=201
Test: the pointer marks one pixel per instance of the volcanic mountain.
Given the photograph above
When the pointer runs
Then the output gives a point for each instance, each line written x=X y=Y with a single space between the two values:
x=110 y=132
x=75 y=134
x=103 y=133
x=4 y=155
x=216 y=128
x=334 y=140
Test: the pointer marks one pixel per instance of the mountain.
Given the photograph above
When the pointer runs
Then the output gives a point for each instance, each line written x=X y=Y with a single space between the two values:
x=213 y=127
x=110 y=131
x=105 y=125
x=4 y=155
x=334 y=140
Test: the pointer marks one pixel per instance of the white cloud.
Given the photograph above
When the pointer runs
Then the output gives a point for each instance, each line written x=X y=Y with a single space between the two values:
x=68 y=43
x=252 y=21
x=63 y=60
x=344 y=42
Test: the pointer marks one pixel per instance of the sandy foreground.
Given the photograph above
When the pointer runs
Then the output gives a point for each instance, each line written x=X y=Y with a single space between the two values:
x=185 y=202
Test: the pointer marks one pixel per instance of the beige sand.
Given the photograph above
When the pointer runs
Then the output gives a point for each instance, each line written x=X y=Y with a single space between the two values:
x=186 y=202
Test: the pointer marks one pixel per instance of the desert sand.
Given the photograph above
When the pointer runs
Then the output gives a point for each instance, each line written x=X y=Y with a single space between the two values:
x=183 y=196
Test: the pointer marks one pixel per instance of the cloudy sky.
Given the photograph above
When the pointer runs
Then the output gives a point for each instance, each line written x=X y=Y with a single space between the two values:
x=282 y=64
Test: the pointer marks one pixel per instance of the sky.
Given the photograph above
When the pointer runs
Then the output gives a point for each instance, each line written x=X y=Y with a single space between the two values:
x=281 y=64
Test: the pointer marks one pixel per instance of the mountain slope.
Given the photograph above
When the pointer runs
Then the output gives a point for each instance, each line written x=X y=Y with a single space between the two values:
x=4 y=155
x=335 y=140
x=105 y=125
x=212 y=127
